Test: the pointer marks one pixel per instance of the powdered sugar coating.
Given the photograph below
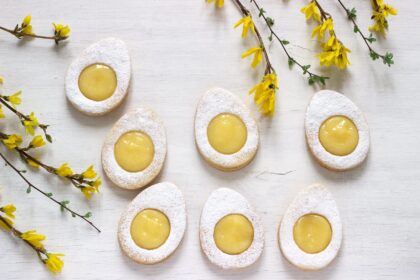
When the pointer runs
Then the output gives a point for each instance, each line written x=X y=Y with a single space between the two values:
x=222 y=202
x=214 y=102
x=145 y=120
x=167 y=198
x=314 y=199
x=112 y=52
x=325 y=104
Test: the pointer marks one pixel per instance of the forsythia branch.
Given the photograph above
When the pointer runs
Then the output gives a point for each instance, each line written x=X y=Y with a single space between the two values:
x=62 y=204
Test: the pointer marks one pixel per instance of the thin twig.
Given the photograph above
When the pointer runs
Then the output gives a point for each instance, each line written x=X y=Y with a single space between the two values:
x=62 y=205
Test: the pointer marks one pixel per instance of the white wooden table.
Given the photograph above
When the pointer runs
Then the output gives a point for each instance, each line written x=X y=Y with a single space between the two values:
x=180 y=49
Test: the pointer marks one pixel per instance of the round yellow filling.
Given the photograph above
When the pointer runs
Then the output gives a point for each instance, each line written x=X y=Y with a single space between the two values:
x=312 y=233
x=339 y=135
x=134 y=151
x=227 y=133
x=150 y=229
x=97 y=82
x=233 y=234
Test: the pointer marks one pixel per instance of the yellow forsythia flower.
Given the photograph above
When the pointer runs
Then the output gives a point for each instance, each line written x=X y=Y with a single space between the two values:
x=15 y=98
x=13 y=141
x=258 y=55
x=64 y=170
x=335 y=53
x=89 y=173
x=219 y=3
x=61 y=30
x=32 y=163
x=265 y=93
x=320 y=29
x=54 y=263
x=381 y=12
x=311 y=11
x=1 y=80
x=97 y=183
x=88 y=191
x=9 y=210
x=34 y=238
x=247 y=25
x=31 y=123
x=37 y=142
x=26 y=25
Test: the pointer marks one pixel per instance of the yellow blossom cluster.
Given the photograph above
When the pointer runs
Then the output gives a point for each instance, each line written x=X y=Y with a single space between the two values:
x=334 y=51
x=32 y=238
x=26 y=25
x=380 y=13
x=61 y=30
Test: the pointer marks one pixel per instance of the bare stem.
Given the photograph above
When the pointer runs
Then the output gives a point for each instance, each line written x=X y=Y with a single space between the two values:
x=62 y=205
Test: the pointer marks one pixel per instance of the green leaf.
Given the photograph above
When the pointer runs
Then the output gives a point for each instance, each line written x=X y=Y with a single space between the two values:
x=49 y=194
x=356 y=29
x=388 y=59
x=63 y=204
x=270 y=38
x=88 y=215
x=262 y=11
x=285 y=42
x=352 y=14
x=374 y=55
x=48 y=137
x=291 y=62
x=29 y=189
x=311 y=80
x=371 y=39
x=270 y=21
x=305 y=68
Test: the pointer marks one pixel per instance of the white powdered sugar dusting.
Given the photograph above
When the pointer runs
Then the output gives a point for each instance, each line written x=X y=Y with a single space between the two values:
x=325 y=104
x=315 y=199
x=111 y=52
x=167 y=198
x=214 y=102
x=222 y=202
x=145 y=120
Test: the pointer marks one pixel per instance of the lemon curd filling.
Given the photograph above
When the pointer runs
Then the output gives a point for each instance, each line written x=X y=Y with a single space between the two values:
x=312 y=233
x=339 y=135
x=97 y=82
x=233 y=234
x=150 y=229
x=227 y=133
x=134 y=151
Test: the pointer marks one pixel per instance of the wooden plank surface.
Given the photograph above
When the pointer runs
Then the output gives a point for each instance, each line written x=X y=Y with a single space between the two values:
x=180 y=49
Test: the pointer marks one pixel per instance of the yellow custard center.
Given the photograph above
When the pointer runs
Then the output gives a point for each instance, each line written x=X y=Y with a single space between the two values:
x=227 y=133
x=150 y=229
x=339 y=135
x=134 y=151
x=233 y=234
x=97 y=82
x=312 y=233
